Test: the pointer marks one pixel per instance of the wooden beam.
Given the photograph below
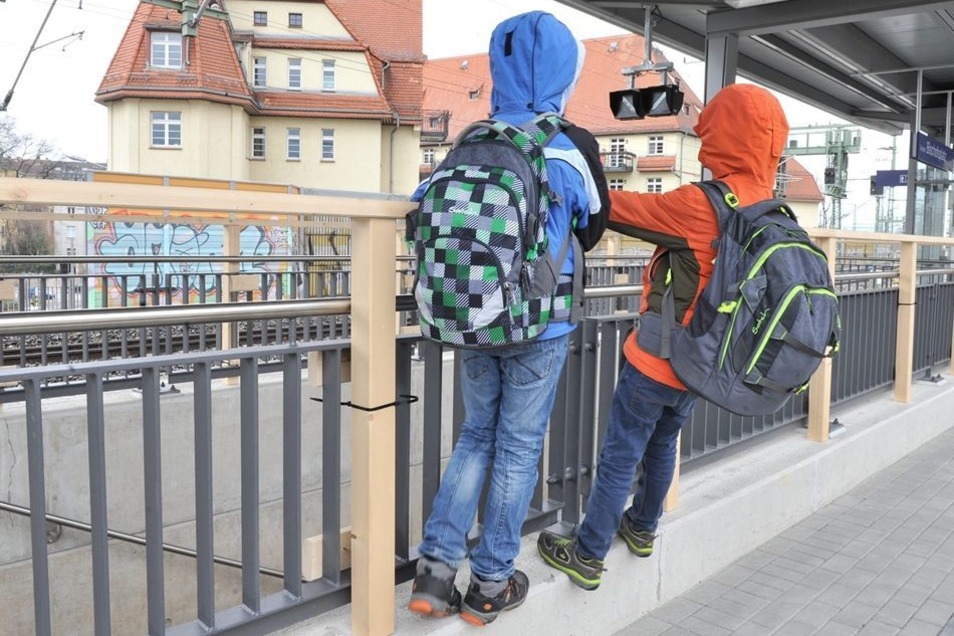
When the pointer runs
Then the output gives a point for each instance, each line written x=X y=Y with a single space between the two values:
x=907 y=289
x=231 y=202
x=819 y=390
x=372 y=432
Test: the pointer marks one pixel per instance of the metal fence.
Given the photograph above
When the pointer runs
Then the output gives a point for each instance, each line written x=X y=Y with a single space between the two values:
x=240 y=591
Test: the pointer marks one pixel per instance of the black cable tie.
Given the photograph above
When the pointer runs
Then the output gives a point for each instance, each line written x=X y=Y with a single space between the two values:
x=411 y=399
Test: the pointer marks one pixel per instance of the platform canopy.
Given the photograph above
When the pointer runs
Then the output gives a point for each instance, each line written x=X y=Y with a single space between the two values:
x=857 y=59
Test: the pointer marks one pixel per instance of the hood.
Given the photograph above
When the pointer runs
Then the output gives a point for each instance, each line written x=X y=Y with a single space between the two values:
x=534 y=63
x=743 y=132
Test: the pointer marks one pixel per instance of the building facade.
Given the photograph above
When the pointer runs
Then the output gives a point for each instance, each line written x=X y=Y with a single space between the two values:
x=317 y=94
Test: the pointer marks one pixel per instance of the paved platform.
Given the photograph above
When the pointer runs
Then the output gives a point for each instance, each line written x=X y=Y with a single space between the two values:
x=879 y=560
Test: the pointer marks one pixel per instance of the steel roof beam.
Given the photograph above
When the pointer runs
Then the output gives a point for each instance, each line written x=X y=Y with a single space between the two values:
x=805 y=14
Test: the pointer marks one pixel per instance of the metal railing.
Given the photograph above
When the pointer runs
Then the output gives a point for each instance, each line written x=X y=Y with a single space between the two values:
x=272 y=488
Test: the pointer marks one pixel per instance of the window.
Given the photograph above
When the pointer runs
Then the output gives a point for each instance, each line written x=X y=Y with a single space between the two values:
x=167 y=129
x=258 y=143
x=327 y=144
x=259 y=77
x=429 y=156
x=294 y=144
x=327 y=75
x=616 y=184
x=165 y=49
x=294 y=74
x=294 y=20
x=617 y=148
x=655 y=145
x=654 y=185
x=259 y=18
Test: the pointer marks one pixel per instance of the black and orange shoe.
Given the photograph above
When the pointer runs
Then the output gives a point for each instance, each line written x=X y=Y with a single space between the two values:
x=479 y=609
x=434 y=596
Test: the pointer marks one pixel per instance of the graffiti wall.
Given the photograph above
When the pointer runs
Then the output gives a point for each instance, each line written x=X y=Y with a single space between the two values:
x=188 y=243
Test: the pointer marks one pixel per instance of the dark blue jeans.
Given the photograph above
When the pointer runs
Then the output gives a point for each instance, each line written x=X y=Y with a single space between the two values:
x=643 y=426
x=508 y=395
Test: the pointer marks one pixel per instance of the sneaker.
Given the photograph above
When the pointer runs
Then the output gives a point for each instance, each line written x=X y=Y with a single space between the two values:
x=560 y=553
x=434 y=596
x=479 y=609
x=639 y=542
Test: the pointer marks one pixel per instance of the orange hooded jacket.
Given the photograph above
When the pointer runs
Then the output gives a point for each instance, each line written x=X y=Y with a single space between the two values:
x=743 y=132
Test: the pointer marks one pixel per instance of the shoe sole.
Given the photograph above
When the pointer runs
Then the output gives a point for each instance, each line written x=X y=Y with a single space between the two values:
x=640 y=552
x=574 y=576
x=479 y=619
x=430 y=606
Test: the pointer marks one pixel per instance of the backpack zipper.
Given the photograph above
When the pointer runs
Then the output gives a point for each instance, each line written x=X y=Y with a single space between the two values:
x=755 y=267
x=522 y=230
x=767 y=334
x=505 y=286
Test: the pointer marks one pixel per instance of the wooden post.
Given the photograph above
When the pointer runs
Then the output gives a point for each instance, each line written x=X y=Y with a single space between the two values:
x=819 y=389
x=907 y=288
x=372 y=433
x=672 y=497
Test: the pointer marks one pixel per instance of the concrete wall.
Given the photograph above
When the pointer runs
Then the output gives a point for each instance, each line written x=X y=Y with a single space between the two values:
x=67 y=495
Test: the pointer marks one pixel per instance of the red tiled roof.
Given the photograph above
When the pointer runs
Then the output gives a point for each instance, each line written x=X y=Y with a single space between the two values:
x=213 y=72
x=801 y=185
x=449 y=82
x=663 y=163
x=393 y=30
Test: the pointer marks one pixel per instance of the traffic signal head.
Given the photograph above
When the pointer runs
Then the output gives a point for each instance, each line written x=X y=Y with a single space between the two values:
x=656 y=101
x=829 y=176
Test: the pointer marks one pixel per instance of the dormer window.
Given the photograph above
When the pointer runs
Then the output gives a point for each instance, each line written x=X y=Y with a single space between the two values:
x=165 y=49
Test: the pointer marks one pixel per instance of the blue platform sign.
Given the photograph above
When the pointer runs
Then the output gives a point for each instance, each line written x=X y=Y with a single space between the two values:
x=934 y=153
x=890 y=178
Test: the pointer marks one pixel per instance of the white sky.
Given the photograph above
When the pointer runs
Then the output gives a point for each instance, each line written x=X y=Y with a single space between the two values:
x=54 y=97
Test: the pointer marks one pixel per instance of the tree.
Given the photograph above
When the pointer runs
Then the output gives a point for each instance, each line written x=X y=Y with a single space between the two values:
x=23 y=156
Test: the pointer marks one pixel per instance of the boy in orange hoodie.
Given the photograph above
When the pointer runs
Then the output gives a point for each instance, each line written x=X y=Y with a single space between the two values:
x=743 y=132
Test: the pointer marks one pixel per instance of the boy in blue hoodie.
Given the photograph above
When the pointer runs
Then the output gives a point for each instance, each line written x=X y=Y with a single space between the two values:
x=509 y=391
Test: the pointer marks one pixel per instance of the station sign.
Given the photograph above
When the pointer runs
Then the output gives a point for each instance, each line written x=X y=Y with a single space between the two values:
x=933 y=152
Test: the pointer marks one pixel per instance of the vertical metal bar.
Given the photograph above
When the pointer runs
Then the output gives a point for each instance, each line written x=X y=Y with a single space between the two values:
x=204 y=538
x=35 y=468
x=251 y=591
x=331 y=466
x=152 y=482
x=557 y=464
x=433 y=398
x=291 y=468
x=95 y=418
x=402 y=452
x=573 y=373
x=588 y=389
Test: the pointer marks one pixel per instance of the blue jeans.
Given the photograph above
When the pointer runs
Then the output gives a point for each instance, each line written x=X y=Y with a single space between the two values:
x=508 y=395
x=643 y=426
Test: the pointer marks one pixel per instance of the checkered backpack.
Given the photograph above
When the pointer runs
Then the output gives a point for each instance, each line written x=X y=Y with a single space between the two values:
x=485 y=277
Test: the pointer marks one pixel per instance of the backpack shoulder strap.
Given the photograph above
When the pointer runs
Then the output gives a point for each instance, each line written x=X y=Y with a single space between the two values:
x=722 y=199
x=546 y=126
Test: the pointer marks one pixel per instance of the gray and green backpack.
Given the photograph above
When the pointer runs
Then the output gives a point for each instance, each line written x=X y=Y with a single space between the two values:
x=484 y=275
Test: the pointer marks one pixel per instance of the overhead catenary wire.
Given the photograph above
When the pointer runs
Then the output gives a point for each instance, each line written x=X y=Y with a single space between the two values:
x=9 y=95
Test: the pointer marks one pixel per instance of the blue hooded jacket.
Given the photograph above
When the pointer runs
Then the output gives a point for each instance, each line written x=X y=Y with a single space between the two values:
x=535 y=62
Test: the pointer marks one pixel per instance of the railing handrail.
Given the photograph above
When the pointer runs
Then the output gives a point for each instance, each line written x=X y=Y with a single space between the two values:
x=166 y=315
x=236 y=203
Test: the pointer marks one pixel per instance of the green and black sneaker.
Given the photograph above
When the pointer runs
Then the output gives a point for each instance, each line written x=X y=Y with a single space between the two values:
x=560 y=553
x=639 y=542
